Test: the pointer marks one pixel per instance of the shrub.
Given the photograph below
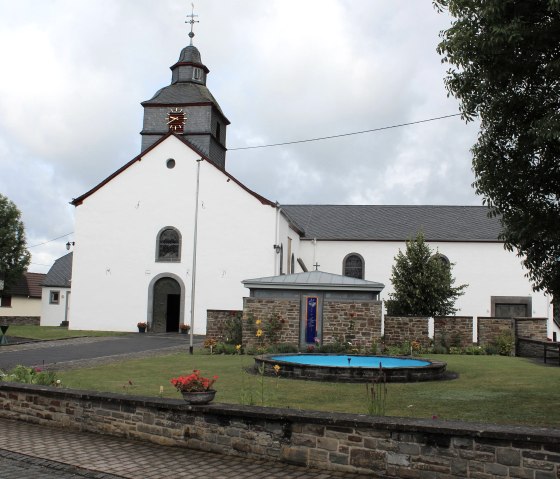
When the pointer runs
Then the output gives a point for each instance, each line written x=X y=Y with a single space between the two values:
x=225 y=348
x=455 y=350
x=505 y=343
x=28 y=375
x=283 y=348
x=474 y=350
x=439 y=349
x=233 y=328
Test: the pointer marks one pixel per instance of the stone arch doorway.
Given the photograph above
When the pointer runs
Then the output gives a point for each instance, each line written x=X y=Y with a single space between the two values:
x=166 y=304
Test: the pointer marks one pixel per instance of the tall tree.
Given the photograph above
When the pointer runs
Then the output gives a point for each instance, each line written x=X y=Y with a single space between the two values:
x=505 y=70
x=14 y=257
x=423 y=282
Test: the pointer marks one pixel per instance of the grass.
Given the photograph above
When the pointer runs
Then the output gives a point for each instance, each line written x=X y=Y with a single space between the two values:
x=493 y=389
x=53 y=332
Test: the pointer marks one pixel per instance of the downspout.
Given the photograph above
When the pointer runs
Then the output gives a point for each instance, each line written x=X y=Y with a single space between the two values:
x=277 y=237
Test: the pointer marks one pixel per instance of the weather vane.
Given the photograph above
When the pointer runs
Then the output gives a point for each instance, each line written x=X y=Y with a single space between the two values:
x=192 y=21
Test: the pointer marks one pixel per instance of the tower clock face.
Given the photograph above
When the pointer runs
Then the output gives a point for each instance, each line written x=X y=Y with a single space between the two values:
x=176 y=120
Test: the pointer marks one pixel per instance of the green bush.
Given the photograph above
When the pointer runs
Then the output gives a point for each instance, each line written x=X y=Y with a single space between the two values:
x=474 y=350
x=233 y=329
x=505 y=343
x=490 y=349
x=28 y=375
x=225 y=348
x=439 y=349
x=283 y=348
x=455 y=350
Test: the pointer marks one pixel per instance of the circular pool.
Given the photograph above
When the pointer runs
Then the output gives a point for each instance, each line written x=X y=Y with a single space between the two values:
x=351 y=368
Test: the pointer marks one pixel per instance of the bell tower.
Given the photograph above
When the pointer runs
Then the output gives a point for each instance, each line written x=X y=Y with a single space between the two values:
x=187 y=108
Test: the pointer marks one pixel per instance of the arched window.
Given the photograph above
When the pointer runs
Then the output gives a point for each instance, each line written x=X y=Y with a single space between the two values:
x=169 y=245
x=442 y=258
x=353 y=266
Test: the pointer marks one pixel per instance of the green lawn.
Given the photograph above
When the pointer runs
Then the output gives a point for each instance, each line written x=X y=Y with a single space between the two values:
x=489 y=388
x=53 y=332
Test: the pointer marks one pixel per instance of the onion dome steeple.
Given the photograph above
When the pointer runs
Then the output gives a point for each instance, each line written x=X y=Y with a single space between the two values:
x=187 y=107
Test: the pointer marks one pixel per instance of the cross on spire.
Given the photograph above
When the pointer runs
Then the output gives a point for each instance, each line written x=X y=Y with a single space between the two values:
x=192 y=21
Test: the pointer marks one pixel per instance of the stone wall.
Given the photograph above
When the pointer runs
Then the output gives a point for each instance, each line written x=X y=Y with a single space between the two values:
x=489 y=329
x=20 y=320
x=453 y=330
x=217 y=321
x=407 y=328
x=380 y=447
x=531 y=328
x=532 y=348
x=356 y=322
x=262 y=309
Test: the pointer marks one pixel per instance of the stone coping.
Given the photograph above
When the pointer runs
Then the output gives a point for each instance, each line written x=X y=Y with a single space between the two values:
x=517 y=433
x=539 y=341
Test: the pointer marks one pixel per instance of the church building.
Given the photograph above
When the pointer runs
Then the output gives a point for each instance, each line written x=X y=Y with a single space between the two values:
x=171 y=234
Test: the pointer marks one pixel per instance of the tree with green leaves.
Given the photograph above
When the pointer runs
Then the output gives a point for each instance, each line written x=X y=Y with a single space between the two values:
x=14 y=257
x=422 y=282
x=505 y=70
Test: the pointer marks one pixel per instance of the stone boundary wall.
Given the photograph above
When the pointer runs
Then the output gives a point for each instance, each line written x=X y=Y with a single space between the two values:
x=531 y=328
x=381 y=447
x=216 y=320
x=490 y=328
x=453 y=330
x=358 y=322
x=399 y=329
x=262 y=309
x=533 y=348
x=20 y=320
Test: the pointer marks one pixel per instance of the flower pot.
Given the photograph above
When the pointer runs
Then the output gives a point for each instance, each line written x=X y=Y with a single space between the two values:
x=141 y=330
x=199 y=397
x=184 y=331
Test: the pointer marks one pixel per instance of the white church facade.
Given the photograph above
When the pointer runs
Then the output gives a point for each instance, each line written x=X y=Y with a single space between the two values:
x=172 y=234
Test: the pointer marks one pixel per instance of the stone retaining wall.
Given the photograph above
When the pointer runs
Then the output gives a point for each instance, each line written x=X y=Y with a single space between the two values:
x=357 y=322
x=216 y=321
x=20 y=320
x=262 y=309
x=531 y=328
x=406 y=328
x=453 y=330
x=381 y=447
x=489 y=329
x=532 y=348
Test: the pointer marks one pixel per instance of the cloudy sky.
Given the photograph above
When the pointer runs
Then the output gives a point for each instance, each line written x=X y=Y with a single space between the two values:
x=75 y=71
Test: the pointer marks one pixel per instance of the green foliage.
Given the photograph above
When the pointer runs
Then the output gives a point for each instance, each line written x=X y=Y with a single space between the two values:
x=273 y=327
x=505 y=69
x=439 y=349
x=474 y=350
x=282 y=348
x=14 y=257
x=224 y=348
x=339 y=345
x=233 y=328
x=505 y=343
x=422 y=282
x=29 y=375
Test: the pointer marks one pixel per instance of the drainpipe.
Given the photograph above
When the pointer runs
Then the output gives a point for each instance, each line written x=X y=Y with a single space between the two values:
x=193 y=283
x=277 y=237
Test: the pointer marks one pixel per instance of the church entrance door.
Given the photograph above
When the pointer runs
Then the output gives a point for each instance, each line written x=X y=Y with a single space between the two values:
x=173 y=309
x=166 y=307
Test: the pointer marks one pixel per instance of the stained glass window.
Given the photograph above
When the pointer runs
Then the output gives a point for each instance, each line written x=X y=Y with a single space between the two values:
x=354 y=266
x=169 y=245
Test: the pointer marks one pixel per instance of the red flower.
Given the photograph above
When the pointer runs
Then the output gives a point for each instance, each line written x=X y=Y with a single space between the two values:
x=193 y=382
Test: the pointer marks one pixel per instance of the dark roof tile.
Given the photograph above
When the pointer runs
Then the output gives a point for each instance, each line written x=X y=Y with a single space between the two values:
x=60 y=274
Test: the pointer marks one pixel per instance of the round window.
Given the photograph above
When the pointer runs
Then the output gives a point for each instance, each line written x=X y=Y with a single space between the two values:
x=171 y=163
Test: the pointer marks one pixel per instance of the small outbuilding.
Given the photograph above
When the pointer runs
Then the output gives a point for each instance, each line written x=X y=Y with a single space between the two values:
x=311 y=308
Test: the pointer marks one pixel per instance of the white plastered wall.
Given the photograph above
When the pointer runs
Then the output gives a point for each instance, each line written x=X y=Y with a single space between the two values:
x=23 y=306
x=487 y=268
x=53 y=314
x=117 y=226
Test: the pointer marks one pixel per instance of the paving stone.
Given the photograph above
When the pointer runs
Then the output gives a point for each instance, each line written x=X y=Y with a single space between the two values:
x=41 y=452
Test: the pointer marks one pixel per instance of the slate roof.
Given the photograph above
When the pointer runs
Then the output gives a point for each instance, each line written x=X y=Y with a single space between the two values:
x=394 y=223
x=28 y=285
x=183 y=93
x=313 y=280
x=60 y=274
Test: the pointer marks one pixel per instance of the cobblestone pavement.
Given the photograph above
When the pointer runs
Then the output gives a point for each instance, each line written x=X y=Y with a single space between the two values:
x=42 y=452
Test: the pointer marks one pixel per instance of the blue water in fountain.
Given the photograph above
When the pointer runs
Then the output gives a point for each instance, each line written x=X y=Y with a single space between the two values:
x=343 y=360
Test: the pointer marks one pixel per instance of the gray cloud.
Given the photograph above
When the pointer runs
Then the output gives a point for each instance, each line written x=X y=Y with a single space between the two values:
x=74 y=74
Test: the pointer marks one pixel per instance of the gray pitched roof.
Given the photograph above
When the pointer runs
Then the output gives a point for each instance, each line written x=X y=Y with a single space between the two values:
x=394 y=223
x=313 y=280
x=60 y=274
x=183 y=93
